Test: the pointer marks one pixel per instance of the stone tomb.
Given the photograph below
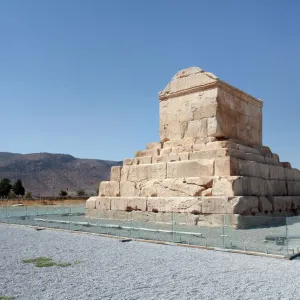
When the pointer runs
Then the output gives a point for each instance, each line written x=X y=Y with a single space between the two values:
x=209 y=162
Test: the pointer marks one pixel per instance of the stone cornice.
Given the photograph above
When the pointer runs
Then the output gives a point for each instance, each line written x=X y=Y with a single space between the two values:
x=216 y=84
x=242 y=95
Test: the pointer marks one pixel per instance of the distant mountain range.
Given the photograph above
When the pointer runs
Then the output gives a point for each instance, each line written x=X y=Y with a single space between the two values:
x=46 y=174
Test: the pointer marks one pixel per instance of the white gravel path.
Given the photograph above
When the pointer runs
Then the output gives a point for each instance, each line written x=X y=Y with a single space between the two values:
x=110 y=269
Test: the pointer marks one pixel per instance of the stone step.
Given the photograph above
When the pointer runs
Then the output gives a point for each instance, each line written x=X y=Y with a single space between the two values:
x=176 y=147
x=178 y=169
x=207 y=166
x=243 y=205
x=175 y=187
x=201 y=186
x=193 y=154
x=231 y=166
x=202 y=220
x=253 y=186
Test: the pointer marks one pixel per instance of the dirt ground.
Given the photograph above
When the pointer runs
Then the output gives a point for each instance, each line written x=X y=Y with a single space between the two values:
x=41 y=202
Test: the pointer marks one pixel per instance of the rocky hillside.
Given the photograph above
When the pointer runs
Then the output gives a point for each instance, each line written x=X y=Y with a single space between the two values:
x=46 y=173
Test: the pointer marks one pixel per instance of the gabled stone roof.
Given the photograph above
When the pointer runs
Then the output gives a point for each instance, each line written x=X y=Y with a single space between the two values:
x=192 y=79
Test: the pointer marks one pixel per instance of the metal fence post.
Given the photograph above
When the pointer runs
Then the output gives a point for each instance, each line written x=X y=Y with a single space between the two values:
x=70 y=217
x=131 y=222
x=287 y=235
x=47 y=225
x=173 y=227
x=223 y=232
x=8 y=216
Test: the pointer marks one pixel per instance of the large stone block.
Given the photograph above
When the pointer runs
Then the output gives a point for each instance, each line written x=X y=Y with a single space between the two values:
x=247 y=186
x=296 y=174
x=165 y=151
x=240 y=109
x=103 y=203
x=281 y=203
x=196 y=128
x=264 y=205
x=245 y=205
x=182 y=149
x=173 y=157
x=154 y=145
x=214 y=127
x=272 y=160
x=128 y=162
x=277 y=172
x=199 y=147
x=142 y=160
x=226 y=166
x=278 y=187
x=173 y=131
x=169 y=204
x=184 y=156
x=144 y=172
x=220 y=145
x=129 y=203
x=229 y=205
x=173 y=143
x=228 y=186
x=109 y=188
x=129 y=189
x=247 y=149
x=254 y=157
x=91 y=203
x=296 y=202
x=288 y=174
x=209 y=154
x=253 y=169
x=175 y=187
x=150 y=152
x=205 y=107
x=293 y=188
x=115 y=173
x=196 y=168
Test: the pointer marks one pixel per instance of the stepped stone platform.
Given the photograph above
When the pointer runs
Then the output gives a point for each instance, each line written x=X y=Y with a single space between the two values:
x=209 y=162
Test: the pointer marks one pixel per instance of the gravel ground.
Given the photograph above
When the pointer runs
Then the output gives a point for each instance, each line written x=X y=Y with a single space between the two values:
x=109 y=269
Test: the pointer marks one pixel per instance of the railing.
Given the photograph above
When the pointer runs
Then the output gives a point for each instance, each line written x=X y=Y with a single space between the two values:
x=278 y=236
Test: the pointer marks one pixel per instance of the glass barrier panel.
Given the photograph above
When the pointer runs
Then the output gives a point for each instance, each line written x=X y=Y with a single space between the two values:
x=186 y=229
x=257 y=233
x=3 y=213
x=293 y=234
x=155 y=226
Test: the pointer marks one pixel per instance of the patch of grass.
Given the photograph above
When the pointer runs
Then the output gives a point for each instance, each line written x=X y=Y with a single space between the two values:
x=63 y=264
x=6 y=298
x=37 y=260
x=42 y=262
x=77 y=262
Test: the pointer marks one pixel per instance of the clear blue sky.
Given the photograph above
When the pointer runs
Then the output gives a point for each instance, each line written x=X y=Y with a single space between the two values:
x=82 y=77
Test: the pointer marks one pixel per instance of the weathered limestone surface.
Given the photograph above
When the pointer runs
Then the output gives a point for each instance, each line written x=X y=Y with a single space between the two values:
x=197 y=104
x=210 y=160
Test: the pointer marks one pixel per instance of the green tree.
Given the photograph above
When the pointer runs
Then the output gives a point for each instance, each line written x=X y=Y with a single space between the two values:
x=18 y=188
x=12 y=195
x=81 y=193
x=63 y=193
x=28 y=195
x=5 y=187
